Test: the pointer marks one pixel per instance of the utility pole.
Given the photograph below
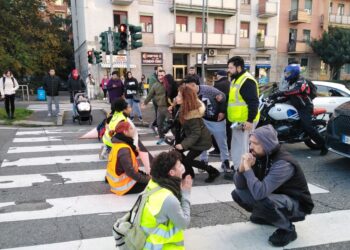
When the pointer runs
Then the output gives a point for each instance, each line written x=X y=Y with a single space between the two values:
x=110 y=47
x=128 y=48
x=203 y=30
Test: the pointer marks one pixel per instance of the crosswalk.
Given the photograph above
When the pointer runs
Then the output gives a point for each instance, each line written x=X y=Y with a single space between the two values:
x=53 y=196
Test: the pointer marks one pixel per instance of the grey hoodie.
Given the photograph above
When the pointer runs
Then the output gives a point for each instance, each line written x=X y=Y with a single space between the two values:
x=279 y=172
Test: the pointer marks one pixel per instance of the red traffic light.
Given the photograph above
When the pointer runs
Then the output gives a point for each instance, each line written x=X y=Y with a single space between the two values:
x=122 y=28
x=89 y=53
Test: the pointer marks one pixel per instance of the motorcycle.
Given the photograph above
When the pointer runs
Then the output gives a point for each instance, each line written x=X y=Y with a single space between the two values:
x=286 y=121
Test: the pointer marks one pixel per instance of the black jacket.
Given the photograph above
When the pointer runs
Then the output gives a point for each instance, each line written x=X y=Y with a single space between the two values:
x=75 y=86
x=51 y=85
x=132 y=88
x=298 y=93
x=223 y=85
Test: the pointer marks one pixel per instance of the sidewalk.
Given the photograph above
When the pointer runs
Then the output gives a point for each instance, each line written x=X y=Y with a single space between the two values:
x=40 y=118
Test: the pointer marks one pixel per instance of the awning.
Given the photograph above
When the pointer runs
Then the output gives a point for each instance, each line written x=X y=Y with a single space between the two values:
x=267 y=66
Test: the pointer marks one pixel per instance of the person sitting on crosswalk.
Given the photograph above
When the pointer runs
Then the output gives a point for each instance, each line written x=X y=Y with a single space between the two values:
x=196 y=135
x=167 y=211
x=123 y=174
x=271 y=185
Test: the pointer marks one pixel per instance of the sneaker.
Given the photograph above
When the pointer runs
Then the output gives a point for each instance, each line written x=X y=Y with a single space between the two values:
x=281 y=237
x=324 y=151
x=103 y=153
x=202 y=170
x=154 y=128
x=213 y=174
x=161 y=141
x=140 y=119
x=169 y=141
x=214 y=153
x=225 y=165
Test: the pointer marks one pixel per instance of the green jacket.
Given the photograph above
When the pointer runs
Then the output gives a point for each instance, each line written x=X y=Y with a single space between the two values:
x=158 y=93
x=152 y=79
x=197 y=136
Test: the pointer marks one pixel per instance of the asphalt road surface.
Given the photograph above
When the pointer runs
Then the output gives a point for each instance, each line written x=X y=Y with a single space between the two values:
x=53 y=196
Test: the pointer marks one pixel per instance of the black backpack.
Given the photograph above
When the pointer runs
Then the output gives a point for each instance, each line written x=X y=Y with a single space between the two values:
x=313 y=89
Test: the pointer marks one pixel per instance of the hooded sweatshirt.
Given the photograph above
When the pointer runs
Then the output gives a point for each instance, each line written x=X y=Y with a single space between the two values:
x=279 y=172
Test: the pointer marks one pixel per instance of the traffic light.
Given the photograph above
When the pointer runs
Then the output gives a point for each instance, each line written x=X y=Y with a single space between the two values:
x=98 y=56
x=90 y=57
x=123 y=36
x=135 y=36
x=116 y=42
x=104 y=42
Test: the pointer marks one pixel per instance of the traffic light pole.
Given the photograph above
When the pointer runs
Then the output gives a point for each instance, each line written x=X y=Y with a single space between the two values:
x=128 y=49
x=110 y=48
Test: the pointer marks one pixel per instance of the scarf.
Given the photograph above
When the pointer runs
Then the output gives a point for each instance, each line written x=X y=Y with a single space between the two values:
x=127 y=140
x=171 y=183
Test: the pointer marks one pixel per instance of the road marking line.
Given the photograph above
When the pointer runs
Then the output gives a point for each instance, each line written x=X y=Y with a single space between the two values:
x=110 y=203
x=37 y=139
x=52 y=148
x=51 y=160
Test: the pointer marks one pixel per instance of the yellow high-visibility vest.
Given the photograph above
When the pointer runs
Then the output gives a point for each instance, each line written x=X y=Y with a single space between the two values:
x=237 y=109
x=120 y=184
x=159 y=236
x=116 y=118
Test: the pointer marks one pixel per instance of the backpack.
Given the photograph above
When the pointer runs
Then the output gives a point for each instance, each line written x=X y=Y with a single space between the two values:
x=313 y=89
x=3 y=82
x=127 y=230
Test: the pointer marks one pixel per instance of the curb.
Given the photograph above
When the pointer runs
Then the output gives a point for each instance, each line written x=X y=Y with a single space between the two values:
x=30 y=123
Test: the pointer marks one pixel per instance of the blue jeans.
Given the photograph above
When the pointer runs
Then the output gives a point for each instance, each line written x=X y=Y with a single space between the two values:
x=49 y=104
x=218 y=130
x=135 y=106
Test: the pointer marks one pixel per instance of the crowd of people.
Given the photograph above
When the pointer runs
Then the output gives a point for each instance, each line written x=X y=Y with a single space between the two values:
x=269 y=183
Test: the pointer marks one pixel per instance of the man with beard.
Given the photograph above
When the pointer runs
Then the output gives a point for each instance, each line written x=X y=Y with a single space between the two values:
x=271 y=185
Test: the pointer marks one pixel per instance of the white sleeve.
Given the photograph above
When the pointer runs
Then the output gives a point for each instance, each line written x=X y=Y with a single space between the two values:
x=1 y=87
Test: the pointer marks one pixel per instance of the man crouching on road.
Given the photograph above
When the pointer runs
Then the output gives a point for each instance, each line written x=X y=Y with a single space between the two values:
x=271 y=185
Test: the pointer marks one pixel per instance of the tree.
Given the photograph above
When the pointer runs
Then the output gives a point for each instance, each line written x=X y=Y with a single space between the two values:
x=334 y=49
x=31 y=39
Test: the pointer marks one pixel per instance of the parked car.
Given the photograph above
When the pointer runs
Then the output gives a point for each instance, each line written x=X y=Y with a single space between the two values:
x=330 y=95
x=338 y=130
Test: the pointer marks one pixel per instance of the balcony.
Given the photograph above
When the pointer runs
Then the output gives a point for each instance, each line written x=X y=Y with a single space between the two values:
x=122 y=2
x=194 y=40
x=267 y=9
x=265 y=43
x=299 y=47
x=299 y=16
x=216 y=7
x=341 y=21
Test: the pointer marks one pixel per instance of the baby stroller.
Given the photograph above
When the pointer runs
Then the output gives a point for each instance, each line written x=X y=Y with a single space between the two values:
x=83 y=108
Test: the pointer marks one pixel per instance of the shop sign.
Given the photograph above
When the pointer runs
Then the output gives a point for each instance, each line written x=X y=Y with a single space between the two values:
x=151 y=58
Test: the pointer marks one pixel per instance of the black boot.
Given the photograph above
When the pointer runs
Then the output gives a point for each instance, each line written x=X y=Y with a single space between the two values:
x=324 y=151
x=213 y=174
x=281 y=238
x=12 y=116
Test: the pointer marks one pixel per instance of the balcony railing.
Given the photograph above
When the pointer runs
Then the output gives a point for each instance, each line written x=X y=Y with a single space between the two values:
x=265 y=43
x=299 y=47
x=339 y=20
x=218 y=7
x=299 y=16
x=194 y=39
x=122 y=2
x=267 y=9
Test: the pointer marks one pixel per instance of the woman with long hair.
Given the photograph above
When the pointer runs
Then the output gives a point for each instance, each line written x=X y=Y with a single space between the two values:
x=196 y=135
x=132 y=95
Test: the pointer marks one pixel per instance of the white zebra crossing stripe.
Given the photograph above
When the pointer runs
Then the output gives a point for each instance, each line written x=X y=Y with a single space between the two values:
x=18 y=181
x=316 y=229
x=110 y=203
x=44 y=132
x=52 y=160
x=52 y=148
x=38 y=139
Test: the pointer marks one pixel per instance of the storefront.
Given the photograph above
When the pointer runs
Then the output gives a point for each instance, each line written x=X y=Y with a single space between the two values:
x=149 y=60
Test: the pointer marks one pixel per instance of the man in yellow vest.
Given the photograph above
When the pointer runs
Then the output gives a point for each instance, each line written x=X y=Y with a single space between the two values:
x=123 y=173
x=242 y=109
x=167 y=211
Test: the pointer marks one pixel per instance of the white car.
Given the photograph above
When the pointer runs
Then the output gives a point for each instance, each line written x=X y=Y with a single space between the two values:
x=330 y=95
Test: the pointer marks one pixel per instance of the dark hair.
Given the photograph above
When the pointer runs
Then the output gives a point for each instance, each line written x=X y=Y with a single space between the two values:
x=156 y=67
x=192 y=67
x=160 y=167
x=127 y=73
x=162 y=70
x=114 y=73
x=191 y=79
x=236 y=61
x=8 y=70
x=119 y=105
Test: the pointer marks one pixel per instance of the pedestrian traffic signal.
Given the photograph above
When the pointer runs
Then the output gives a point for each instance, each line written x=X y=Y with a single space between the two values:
x=123 y=36
x=135 y=36
x=98 y=56
x=116 y=42
x=104 y=42
x=90 y=57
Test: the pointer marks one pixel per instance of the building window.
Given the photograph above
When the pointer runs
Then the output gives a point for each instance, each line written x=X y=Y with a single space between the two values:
x=199 y=25
x=244 y=32
x=245 y=1
x=340 y=11
x=306 y=36
x=330 y=8
x=120 y=17
x=219 y=27
x=181 y=23
x=308 y=6
x=262 y=29
x=146 y=24
x=292 y=35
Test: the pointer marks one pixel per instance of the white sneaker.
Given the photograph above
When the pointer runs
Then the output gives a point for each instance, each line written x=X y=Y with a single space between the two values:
x=103 y=153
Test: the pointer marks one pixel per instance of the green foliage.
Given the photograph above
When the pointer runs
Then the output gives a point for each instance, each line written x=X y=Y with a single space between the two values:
x=20 y=114
x=32 y=40
x=334 y=49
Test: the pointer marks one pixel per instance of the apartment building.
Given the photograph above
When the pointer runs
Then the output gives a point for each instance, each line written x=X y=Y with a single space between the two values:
x=172 y=35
